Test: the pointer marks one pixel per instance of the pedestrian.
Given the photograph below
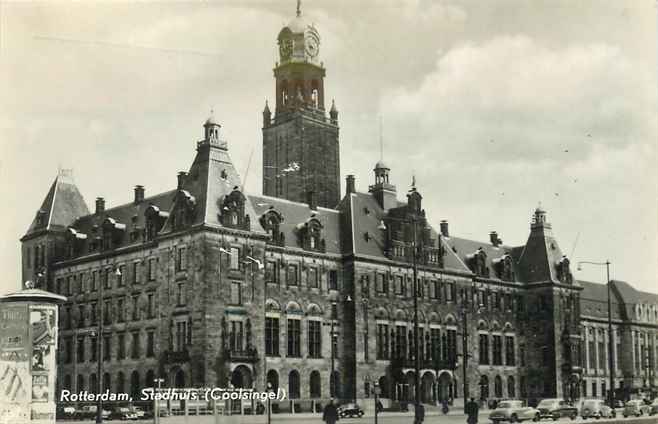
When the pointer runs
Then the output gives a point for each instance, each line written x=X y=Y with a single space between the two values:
x=472 y=408
x=330 y=413
x=419 y=413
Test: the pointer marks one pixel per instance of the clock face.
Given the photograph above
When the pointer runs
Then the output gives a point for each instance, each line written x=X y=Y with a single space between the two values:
x=312 y=45
x=285 y=49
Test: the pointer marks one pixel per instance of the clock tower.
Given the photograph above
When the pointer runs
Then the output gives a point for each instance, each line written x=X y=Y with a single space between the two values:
x=300 y=142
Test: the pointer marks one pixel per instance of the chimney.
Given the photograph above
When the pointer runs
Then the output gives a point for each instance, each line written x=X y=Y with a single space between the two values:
x=310 y=198
x=444 y=228
x=100 y=205
x=493 y=237
x=139 y=194
x=350 y=186
x=181 y=179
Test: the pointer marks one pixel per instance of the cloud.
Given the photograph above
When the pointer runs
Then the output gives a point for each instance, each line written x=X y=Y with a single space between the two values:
x=514 y=98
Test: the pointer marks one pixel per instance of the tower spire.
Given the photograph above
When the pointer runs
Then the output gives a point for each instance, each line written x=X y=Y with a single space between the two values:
x=299 y=8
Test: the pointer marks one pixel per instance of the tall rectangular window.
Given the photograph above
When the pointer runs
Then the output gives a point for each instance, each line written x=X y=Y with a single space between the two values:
x=399 y=285
x=271 y=275
x=107 y=305
x=150 y=343
x=382 y=341
x=151 y=305
x=180 y=294
x=81 y=349
x=292 y=275
x=135 y=302
x=333 y=279
x=272 y=336
x=451 y=341
x=107 y=348
x=294 y=338
x=236 y=293
x=135 y=272
x=435 y=344
x=120 y=275
x=509 y=351
x=107 y=283
x=94 y=281
x=236 y=336
x=450 y=292
x=181 y=336
x=121 y=346
x=121 y=309
x=134 y=353
x=381 y=284
x=484 y=349
x=81 y=316
x=68 y=350
x=234 y=258
x=93 y=313
x=400 y=341
x=497 y=350
x=314 y=339
x=152 y=269
x=93 y=349
x=312 y=277
x=181 y=259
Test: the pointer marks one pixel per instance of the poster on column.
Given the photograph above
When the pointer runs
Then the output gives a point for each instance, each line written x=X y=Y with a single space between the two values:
x=15 y=381
x=44 y=337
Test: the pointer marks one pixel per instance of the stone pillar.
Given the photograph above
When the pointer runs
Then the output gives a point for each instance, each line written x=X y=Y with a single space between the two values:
x=28 y=346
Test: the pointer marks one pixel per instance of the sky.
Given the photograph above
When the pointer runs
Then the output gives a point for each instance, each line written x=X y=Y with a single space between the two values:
x=494 y=106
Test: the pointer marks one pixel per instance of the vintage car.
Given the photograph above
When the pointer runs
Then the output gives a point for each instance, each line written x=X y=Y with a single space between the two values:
x=654 y=407
x=556 y=408
x=350 y=410
x=88 y=412
x=513 y=411
x=636 y=408
x=122 y=413
x=595 y=408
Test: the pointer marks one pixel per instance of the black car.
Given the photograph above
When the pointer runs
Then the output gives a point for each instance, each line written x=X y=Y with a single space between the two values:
x=350 y=410
x=556 y=409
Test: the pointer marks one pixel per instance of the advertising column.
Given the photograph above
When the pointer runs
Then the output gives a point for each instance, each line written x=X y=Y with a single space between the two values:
x=28 y=343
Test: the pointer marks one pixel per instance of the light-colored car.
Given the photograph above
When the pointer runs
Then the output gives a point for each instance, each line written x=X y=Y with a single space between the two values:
x=595 y=408
x=636 y=408
x=513 y=411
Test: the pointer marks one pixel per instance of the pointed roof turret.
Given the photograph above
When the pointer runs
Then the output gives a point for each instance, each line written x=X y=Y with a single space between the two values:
x=541 y=257
x=62 y=205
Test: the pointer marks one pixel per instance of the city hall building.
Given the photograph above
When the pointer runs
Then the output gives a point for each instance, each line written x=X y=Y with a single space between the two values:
x=206 y=285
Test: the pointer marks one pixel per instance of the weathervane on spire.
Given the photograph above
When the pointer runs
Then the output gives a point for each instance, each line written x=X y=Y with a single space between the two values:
x=299 y=8
x=413 y=182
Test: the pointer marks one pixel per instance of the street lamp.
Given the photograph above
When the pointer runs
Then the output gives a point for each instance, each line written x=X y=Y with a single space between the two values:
x=611 y=391
x=463 y=314
x=156 y=401
x=377 y=391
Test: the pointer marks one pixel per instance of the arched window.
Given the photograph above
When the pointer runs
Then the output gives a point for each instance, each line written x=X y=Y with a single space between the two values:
x=293 y=385
x=107 y=382
x=134 y=384
x=511 y=387
x=484 y=387
x=120 y=382
x=150 y=379
x=315 y=385
x=273 y=379
x=93 y=383
x=80 y=384
x=498 y=387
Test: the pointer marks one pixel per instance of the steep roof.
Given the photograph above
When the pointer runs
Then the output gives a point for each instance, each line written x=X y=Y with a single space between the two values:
x=62 y=205
x=463 y=248
x=294 y=214
x=538 y=259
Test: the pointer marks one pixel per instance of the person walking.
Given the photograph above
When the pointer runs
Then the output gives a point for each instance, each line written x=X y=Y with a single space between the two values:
x=330 y=413
x=472 y=409
x=419 y=413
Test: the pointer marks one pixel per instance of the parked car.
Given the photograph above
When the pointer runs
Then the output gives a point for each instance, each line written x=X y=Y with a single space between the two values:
x=65 y=413
x=138 y=411
x=150 y=413
x=122 y=413
x=653 y=407
x=556 y=408
x=636 y=408
x=513 y=411
x=595 y=408
x=350 y=410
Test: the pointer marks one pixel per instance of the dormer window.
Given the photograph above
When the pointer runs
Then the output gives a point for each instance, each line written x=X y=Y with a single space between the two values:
x=155 y=220
x=504 y=267
x=112 y=234
x=563 y=270
x=271 y=223
x=233 y=211
x=309 y=235
x=184 y=209
x=477 y=262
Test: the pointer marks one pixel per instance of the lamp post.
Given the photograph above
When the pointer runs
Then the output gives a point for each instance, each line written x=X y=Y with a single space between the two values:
x=269 y=407
x=377 y=391
x=156 y=401
x=611 y=368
